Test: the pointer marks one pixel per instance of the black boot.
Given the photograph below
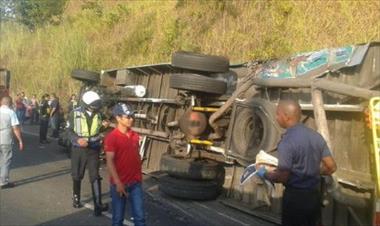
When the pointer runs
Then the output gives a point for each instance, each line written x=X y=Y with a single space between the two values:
x=76 y=194
x=97 y=197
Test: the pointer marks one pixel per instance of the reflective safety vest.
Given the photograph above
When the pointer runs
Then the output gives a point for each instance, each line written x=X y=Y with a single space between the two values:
x=81 y=126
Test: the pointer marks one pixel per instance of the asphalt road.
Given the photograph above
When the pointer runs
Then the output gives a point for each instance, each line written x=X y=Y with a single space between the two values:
x=42 y=195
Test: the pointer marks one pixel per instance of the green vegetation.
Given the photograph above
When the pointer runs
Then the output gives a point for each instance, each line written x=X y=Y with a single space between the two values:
x=98 y=34
x=34 y=13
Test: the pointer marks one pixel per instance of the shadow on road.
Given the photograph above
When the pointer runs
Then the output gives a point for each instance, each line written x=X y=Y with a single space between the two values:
x=81 y=218
x=42 y=177
x=36 y=154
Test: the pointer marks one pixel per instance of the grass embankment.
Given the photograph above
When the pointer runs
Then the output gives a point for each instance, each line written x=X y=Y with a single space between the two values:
x=108 y=34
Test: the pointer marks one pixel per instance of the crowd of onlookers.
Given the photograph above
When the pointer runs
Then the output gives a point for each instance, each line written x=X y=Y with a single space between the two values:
x=13 y=113
x=26 y=109
x=46 y=112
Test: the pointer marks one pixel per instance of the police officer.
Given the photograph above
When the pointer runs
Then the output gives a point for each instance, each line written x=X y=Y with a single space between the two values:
x=84 y=132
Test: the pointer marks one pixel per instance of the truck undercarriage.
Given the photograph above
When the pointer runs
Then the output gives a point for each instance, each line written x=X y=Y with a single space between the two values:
x=203 y=120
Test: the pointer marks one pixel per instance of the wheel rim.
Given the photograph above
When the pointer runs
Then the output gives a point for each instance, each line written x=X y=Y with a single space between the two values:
x=253 y=132
x=258 y=131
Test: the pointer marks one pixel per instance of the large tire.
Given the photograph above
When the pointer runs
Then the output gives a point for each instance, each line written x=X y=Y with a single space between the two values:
x=200 y=62
x=196 y=169
x=230 y=78
x=256 y=128
x=85 y=76
x=199 y=83
x=189 y=189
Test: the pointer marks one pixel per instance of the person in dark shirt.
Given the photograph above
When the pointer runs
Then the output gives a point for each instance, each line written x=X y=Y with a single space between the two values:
x=54 y=115
x=303 y=157
x=73 y=103
x=44 y=118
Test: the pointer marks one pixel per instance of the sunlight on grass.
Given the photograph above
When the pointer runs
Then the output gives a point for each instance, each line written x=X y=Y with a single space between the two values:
x=121 y=33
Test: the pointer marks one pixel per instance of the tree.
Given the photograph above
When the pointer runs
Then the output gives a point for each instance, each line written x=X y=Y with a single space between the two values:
x=7 y=10
x=33 y=13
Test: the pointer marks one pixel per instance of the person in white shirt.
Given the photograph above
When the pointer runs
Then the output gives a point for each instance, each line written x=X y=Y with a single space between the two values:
x=8 y=124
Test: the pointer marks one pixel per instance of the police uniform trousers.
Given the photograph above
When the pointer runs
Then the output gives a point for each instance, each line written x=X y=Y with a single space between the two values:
x=82 y=158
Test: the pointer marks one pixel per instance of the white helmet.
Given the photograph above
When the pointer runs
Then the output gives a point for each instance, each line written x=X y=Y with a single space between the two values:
x=92 y=100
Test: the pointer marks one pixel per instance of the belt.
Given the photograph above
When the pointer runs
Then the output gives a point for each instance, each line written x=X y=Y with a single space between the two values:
x=92 y=139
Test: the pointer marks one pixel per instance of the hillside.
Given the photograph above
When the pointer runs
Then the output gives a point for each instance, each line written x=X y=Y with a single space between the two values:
x=109 y=34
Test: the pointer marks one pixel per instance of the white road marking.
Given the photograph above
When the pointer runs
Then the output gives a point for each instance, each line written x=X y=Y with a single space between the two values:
x=108 y=215
x=87 y=205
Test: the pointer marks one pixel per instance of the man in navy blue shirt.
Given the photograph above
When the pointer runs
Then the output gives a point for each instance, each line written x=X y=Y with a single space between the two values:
x=303 y=157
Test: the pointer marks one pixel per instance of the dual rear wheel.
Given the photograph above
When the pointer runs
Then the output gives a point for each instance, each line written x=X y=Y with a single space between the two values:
x=196 y=179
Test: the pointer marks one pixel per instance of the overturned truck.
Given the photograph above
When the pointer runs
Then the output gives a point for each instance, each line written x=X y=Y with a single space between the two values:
x=203 y=120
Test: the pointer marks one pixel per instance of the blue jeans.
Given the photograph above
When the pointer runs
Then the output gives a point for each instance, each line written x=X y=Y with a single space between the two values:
x=21 y=115
x=135 y=197
x=5 y=162
x=54 y=123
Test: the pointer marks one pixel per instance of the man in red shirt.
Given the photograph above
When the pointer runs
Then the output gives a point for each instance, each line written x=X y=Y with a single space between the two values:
x=124 y=167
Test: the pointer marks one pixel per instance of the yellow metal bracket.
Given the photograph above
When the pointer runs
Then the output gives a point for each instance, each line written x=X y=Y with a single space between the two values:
x=374 y=108
x=203 y=142
x=205 y=109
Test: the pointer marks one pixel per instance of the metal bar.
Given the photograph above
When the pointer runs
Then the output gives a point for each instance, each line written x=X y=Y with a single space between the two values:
x=204 y=142
x=321 y=121
x=206 y=109
x=142 y=71
x=217 y=149
x=355 y=216
x=283 y=83
x=142 y=148
x=150 y=100
x=141 y=116
x=150 y=132
x=358 y=185
x=344 y=89
x=320 y=115
x=157 y=71
x=335 y=107
x=375 y=123
x=169 y=66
